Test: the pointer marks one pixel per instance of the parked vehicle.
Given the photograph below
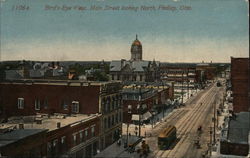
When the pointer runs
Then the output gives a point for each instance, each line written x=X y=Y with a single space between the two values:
x=167 y=137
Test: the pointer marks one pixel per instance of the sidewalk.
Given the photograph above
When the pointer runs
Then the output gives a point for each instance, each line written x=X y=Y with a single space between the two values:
x=157 y=120
x=116 y=150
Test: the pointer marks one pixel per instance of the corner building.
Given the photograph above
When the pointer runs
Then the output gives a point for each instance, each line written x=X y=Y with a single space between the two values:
x=73 y=102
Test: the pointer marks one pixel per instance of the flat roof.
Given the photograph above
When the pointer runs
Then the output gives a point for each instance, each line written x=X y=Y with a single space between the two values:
x=17 y=134
x=50 y=123
x=239 y=128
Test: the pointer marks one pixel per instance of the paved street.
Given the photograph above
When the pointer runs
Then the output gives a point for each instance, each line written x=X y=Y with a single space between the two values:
x=198 y=111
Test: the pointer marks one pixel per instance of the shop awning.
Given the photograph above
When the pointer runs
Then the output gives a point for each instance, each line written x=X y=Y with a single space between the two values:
x=144 y=106
x=146 y=116
x=135 y=117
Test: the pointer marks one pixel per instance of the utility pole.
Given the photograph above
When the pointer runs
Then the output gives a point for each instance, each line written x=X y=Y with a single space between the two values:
x=129 y=114
x=214 y=121
x=210 y=145
x=188 y=87
x=139 y=109
x=127 y=134
x=182 y=88
x=163 y=105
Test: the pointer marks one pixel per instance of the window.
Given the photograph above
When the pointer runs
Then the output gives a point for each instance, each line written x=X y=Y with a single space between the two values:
x=46 y=104
x=75 y=106
x=116 y=118
x=74 y=139
x=129 y=109
x=86 y=133
x=105 y=123
x=63 y=139
x=109 y=122
x=93 y=131
x=55 y=142
x=37 y=104
x=64 y=105
x=113 y=120
x=20 y=103
x=81 y=135
x=49 y=148
x=120 y=117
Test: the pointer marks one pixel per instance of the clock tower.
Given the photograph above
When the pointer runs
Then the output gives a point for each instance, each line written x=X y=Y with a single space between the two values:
x=136 y=50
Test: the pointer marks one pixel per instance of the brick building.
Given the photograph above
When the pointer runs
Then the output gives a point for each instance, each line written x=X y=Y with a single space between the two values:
x=150 y=98
x=135 y=69
x=67 y=99
x=235 y=138
x=178 y=72
x=240 y=84
x=76 y=135
x=22 y=143
x=205 y=72
x=190 y=73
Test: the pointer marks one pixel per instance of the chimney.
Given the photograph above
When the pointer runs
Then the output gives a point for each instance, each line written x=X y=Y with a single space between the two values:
x=21 y=126
x=58 y=124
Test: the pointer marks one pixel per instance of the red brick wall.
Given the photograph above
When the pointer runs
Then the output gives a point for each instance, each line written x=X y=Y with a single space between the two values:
x=25 y=147
x=127 y=117
x=87 y=96
x=240 y=85
x=234 y=149
x=68 y=131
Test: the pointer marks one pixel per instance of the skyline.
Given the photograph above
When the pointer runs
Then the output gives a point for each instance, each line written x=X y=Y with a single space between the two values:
x=210 y=31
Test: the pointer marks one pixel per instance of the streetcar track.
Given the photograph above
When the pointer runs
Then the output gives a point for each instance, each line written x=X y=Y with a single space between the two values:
x=191 y=106
x=189 y=125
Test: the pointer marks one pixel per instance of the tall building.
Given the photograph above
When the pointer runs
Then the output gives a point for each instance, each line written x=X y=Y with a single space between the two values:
x=135 y=69
x=240 y=84
x=136 y=50
x=86 y=116
x=235 y=137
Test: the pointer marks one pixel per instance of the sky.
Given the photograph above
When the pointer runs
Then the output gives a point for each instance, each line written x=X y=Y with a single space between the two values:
x=207 y=31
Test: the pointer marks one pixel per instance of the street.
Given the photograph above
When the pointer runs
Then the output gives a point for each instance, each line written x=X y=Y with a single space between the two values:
x=198 y=111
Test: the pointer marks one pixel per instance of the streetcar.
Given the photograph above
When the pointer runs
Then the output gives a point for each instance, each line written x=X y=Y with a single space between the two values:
x=166 y=137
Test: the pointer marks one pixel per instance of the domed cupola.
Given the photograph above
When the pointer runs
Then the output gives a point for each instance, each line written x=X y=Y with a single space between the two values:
x=136 y=50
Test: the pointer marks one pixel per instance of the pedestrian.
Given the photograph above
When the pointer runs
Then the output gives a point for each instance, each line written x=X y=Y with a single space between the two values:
x=136 y=133
x=119 y=142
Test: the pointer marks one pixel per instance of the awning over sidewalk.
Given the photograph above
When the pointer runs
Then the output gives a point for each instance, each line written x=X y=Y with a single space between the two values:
x=144 y=106
x=135 y=117
x=146 y=116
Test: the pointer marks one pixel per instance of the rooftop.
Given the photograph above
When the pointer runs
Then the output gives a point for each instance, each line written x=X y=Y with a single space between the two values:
x=15 y=135
x=239 y=128
x=44 y=121
x=57 y=82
